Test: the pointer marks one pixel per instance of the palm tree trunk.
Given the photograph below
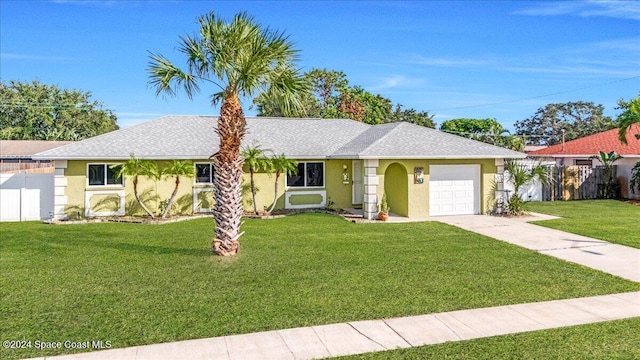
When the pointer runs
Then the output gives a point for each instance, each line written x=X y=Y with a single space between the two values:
x=172 y=198
x=275 y=197
x=253 y=193
x=135 y=193
x=227 y=211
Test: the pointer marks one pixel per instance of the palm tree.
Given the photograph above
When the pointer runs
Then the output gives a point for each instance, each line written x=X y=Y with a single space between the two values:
x=255 y=158
x=240 y=58
x=281 y=165
x=520 y=174
x=630 y=116
x=137 y=167
x=177 y=169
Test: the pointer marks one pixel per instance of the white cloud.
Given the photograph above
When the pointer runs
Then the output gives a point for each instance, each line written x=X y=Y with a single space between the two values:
x=398 y=81
x=604 y=8
x=448 y=62
x=10 y=56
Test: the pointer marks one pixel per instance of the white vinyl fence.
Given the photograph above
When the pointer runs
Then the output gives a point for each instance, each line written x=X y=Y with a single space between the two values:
x=25 y=197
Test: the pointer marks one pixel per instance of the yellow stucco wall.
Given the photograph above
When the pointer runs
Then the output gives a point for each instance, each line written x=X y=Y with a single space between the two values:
x=418 y=194
x=152 y=192
x=265 y=184
x=339 y=193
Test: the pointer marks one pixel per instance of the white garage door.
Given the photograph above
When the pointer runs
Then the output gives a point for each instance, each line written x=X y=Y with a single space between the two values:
x=454 y=190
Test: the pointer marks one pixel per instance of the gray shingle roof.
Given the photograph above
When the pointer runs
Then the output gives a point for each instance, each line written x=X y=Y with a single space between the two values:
x=409 y=141
x=194 y=137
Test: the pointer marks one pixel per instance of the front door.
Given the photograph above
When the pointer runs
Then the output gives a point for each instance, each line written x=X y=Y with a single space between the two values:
x=357 y=184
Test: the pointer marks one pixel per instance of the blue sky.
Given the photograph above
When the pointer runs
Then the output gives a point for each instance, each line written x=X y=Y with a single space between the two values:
x=497 y=59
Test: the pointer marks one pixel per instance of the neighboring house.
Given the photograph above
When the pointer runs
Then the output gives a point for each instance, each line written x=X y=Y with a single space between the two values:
x=16 y=155
x=26 y=185
x=579 y=152
x=342 y=163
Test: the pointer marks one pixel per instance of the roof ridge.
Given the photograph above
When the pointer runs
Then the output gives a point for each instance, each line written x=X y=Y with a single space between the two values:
x=392 y=125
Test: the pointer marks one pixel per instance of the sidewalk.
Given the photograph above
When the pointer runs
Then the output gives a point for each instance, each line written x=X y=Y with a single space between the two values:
x=378 y=335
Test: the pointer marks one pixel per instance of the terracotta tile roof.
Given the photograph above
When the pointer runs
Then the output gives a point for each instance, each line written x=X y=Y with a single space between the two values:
x=606 y=141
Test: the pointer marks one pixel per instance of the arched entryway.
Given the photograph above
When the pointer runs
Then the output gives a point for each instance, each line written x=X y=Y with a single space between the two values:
x=396 y=186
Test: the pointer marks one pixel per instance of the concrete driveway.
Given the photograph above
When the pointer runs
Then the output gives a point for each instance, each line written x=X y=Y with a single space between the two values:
x=619 y=260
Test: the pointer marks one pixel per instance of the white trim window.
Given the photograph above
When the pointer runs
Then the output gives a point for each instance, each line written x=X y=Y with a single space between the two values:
x=102 y=174
x=310 y=175
x=204 y=173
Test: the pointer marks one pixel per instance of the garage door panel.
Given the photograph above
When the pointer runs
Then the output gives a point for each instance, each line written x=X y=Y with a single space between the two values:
x=454 y=189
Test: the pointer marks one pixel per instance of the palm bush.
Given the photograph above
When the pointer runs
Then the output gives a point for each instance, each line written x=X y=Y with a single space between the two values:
x=520 y=175
x=608 y=188
x=634 y=183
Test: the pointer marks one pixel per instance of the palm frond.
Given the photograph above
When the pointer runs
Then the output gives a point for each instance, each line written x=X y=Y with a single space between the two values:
x=166 y=78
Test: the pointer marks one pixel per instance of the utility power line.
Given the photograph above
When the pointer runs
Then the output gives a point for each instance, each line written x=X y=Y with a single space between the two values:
x=537 y=96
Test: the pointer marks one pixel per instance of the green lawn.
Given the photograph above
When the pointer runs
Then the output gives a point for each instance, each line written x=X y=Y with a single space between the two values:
x=134 y=284
x=610 y=220
x=609 y=340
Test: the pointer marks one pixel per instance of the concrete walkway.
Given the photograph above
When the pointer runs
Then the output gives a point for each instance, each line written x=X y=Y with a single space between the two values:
x=623 y=261
x=377 y=335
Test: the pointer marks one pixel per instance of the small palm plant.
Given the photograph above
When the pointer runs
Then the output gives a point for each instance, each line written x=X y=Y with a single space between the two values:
x=607 y=189
x=138 y=167
x=177 y=169
x=520 y=175
x=634 y=183
x=256 y=159
x=280 y=164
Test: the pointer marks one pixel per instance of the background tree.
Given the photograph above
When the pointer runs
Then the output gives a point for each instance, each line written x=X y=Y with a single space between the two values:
x=358 y=104
x=241 y=58
x=177 y=169
x=577 y=119
x=422 y=118
x=36 y=111
x=135 y=168
x=489 y=131
x=630 y=116
x=256 y=159
x=328 y=95
x=318 y=100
